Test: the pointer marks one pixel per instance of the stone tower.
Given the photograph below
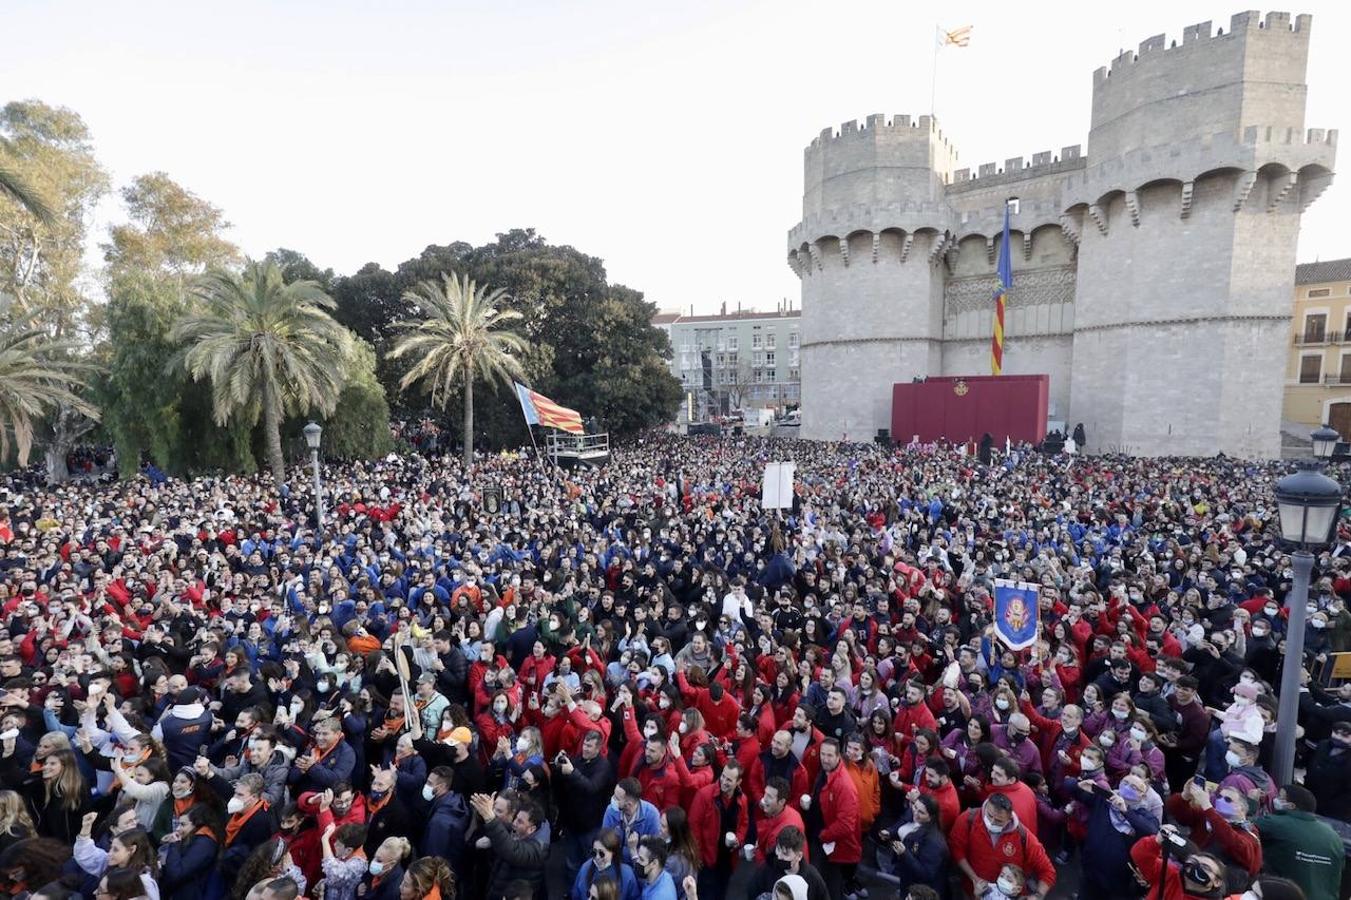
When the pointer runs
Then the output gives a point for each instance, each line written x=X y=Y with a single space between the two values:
x=1155 y=276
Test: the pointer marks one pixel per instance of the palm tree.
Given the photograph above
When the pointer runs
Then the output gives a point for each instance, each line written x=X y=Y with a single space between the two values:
x=36 y=376
x=268 y=348
x=13 y=185
x=460 y=339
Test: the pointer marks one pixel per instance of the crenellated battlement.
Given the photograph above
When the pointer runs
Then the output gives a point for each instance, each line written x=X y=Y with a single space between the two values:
x=899 y=125
x=1199 y=36
x=1045 y=163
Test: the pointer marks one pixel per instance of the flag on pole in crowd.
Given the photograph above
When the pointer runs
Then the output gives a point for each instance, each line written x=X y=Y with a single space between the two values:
x=957 y=37
x=1016 y=613
x=540 y=410
x=1004 y=280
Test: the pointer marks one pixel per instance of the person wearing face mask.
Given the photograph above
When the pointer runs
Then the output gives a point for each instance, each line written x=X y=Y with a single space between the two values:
x=1220 y=826
x=495 y=724
x=251 y=822
x=583 y=784
x=1195 y=876
x=387 y=810
x=1014 y=739
x=985 y=839
x=1251 y=780
x=1328 y=772
x=1116 y=820
x=384 y=872
x=447 y=817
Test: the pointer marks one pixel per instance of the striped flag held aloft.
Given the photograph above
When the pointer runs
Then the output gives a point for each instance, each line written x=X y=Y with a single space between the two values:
x=1004 y=280
x=540 y=410
x=957 y=37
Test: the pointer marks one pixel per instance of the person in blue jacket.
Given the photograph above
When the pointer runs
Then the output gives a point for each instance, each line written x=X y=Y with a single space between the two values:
x=188 y=853
x=606 y=862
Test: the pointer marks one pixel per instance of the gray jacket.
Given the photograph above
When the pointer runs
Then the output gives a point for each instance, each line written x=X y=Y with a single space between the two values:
x=274 y=778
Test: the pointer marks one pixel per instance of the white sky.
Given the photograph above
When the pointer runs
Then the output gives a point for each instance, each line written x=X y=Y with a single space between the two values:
x=665 y=138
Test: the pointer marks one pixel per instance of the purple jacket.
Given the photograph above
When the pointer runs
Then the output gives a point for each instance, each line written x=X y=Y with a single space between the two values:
x=1025 y=753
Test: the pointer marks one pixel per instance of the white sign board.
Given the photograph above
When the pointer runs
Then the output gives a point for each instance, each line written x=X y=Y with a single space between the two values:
x=777 y=490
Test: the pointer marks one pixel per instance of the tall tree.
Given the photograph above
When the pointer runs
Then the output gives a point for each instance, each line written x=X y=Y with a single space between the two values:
x=460 y=340
x=13 y=185
x=268 y=348
x=171 y=235
x=170 y=230
x=36 y=379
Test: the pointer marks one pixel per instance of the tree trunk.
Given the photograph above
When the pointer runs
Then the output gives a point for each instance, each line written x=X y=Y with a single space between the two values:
x=272 y=433
x=67 y=427
x=57 y=472
x=468 y=423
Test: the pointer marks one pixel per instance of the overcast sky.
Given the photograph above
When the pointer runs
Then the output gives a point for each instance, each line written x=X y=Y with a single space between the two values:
x=665 y=138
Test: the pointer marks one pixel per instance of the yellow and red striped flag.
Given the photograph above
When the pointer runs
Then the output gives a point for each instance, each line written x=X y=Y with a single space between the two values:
x=957 y=37
x=540 y=410
x=1001 y=292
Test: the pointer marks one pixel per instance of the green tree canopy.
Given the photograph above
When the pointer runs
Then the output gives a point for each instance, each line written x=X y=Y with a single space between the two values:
x=462 y=337
x=268 y=348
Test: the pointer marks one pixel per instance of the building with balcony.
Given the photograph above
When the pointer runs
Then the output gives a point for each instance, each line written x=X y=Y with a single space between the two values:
x=735 y=361
x=1318 y=373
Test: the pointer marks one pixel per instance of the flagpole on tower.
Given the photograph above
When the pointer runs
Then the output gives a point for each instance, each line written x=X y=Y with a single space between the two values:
x=933 y=76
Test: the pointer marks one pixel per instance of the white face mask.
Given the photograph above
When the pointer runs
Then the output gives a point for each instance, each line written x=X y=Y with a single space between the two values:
x=1139 y=734
x=1233 y=758
x=1002 y=703
x=522 y=745
x=1009 y=887
x=684 y=727
x=427 y=793
x=1088 y=766
x=236 y=805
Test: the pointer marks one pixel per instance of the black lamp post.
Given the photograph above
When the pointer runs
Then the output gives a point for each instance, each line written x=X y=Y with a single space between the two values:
x=1308 y=503
x=312 y=435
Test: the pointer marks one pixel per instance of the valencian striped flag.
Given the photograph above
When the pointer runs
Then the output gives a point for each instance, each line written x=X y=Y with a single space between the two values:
x=1001 y=291
x=540 y=410
x=957 y=37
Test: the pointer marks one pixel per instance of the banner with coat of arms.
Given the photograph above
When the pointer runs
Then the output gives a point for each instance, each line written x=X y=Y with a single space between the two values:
x=1016 y=613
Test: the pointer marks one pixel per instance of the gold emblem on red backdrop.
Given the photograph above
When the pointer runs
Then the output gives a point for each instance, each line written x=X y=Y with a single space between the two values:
x=960 y=388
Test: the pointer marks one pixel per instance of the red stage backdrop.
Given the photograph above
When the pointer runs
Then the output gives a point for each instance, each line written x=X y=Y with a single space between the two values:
x=964 y=409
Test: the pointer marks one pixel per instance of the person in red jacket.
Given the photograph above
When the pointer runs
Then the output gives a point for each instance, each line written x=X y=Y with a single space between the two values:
x=986 y=839
x=913 y=714
x=658 y=773
x=833 y=817
x=1222 y=824
x=1195 y=876
x=1005 y=779
x=720 y=818
x=776 y=812
x=719 y=709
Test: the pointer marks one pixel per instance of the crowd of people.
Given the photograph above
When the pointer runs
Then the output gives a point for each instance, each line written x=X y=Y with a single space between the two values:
x=635 y=682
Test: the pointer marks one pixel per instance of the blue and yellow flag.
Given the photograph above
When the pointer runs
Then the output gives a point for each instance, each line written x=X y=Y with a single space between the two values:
x=1016 y=613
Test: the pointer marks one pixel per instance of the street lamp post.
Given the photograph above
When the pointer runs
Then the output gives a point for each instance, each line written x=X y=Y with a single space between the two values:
x=312 y=435
x=1308 y=502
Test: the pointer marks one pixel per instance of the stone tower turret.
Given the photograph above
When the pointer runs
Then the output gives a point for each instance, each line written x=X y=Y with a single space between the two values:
x=874 y=223
x=1188 y=215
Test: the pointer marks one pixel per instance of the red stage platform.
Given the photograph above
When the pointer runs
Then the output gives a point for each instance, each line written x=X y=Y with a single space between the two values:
x=963 y=409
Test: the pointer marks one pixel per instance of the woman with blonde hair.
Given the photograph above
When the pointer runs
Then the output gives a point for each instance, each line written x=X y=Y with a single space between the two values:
x=385 y=870
x=429 y=878
x=15 y=823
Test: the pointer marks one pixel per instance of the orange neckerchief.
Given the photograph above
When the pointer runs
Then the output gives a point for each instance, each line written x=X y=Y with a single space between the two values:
x=394 y=723
x=205 y=832
x=434 y=893
x=422 y=704
x=320 y=755
x=182 y=806
x=238 y=820
x=444 y=733
x=374 y=806
x=35 y=767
